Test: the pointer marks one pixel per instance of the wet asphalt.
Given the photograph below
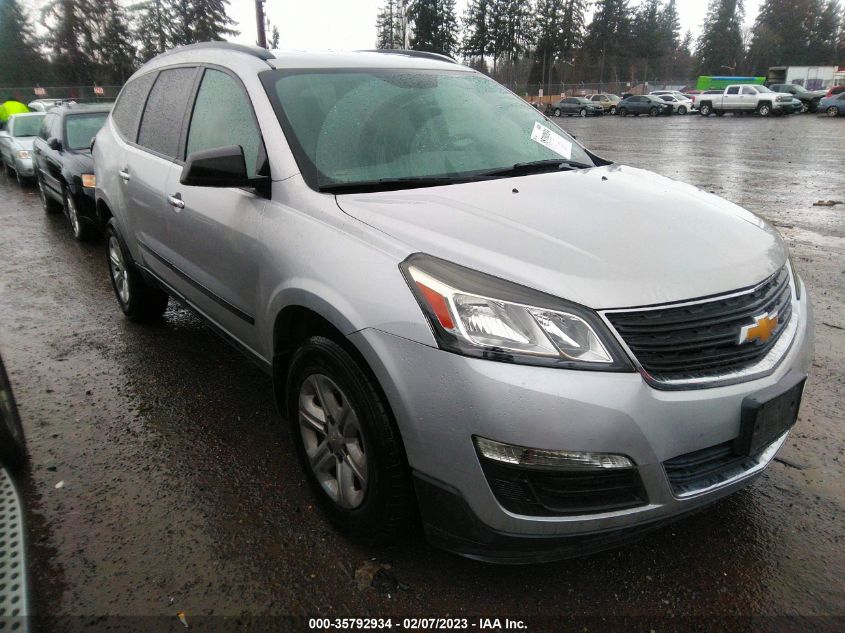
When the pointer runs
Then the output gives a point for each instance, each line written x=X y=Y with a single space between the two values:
x=181 y=492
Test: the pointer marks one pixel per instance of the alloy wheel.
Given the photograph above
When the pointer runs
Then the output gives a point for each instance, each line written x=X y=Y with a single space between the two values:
x=117 y=267
x=73 y=216
x=583 y=112
x=333 y=440
x=833 y=111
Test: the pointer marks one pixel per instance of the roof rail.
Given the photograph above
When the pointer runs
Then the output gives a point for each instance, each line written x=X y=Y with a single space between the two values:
x=255 y=51
x=410 y=53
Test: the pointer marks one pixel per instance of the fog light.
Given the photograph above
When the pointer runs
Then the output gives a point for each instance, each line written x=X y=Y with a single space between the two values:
x=548 y=459
x=89 y=180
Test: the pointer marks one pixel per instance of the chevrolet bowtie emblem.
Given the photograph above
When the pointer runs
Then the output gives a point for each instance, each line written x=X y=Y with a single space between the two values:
x=764 y=326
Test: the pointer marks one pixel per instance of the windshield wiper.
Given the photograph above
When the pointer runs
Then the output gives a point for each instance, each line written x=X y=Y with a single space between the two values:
x=391 y=184
x=535 y=167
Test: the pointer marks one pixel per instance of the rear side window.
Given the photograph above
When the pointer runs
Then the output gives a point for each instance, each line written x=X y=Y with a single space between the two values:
x=127 y=110
x=223 y=116
x=748 y=91
x=161 y=123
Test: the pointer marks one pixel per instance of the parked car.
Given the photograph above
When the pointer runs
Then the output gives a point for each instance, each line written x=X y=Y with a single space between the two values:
x=607 y=101
x=833 y=106
x=450 y=319
x=643 y=104
x=16 y=145
x=64 y=166
x=745 y=98
x=809 y=98
x=577 y=106
x=660 y=93
x=834 y=90
x=680 y=105
x=14 y=581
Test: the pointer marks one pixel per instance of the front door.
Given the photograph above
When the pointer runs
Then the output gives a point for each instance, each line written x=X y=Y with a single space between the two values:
x=214 y=231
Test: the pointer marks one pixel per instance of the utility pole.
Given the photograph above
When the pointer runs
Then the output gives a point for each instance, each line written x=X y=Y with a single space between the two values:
x=259 y=18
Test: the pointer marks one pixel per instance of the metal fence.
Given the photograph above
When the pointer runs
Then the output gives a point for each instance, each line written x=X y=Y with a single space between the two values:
x=25 y=94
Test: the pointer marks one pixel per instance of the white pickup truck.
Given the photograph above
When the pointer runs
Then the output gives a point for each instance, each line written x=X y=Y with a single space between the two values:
x=741 y=98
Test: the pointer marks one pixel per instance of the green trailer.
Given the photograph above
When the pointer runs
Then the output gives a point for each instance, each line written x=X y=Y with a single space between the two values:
x=709 y=82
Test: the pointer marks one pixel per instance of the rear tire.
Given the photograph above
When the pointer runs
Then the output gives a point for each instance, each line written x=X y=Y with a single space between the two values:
x=557 y=112
x=12 y=443
x=706 y=109
x=582 y=112
x=348 y=443
x=613 y=110
x=139 y=300
x=682 y=110
x=48 y=205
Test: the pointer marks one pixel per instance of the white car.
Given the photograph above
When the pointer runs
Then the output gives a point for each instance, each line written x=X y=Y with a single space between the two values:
x=680 y=103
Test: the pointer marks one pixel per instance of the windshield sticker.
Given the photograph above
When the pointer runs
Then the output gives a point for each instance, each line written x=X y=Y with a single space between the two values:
x=555 y=142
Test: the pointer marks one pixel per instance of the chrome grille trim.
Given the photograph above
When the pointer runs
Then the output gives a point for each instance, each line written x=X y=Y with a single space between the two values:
x=761 y=368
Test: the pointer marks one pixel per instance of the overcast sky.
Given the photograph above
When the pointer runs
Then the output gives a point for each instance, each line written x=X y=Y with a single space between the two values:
x=350 y=24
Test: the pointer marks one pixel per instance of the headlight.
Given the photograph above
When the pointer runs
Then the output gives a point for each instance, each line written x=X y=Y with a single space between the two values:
x=23 y=154
x=89 y=180
x=480 y=315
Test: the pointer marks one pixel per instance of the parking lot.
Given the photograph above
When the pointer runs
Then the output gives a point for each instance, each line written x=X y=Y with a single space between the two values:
x=180 y=491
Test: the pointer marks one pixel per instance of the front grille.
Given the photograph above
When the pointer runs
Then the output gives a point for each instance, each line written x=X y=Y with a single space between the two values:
x=536 y=492
x=706 y=467
x=702 y=339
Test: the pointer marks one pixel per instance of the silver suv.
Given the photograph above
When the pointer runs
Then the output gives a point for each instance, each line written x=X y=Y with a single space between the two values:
x=467 y=315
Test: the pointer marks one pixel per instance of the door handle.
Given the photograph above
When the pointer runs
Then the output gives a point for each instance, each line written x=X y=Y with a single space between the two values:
x=176 y=201
x=124 y=175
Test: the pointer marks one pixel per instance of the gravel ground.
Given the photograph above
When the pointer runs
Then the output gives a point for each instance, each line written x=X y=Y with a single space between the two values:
x=182 y=494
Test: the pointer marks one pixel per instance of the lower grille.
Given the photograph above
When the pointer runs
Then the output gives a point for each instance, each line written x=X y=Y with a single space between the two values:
x=535 y=492
x=701 y=340
x=704 y=468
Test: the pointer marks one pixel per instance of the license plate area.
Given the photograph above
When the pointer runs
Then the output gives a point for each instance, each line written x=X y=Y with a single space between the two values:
x=768 y=414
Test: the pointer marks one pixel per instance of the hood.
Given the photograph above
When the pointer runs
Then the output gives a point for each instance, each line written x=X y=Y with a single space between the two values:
x=606 y=237
x=24 y=142
x=79 y=162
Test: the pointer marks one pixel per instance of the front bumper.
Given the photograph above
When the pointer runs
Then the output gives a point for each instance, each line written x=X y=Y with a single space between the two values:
x=25 y=167
x=441 y=400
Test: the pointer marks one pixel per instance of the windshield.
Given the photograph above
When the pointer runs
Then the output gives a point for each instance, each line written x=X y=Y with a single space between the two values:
x=350 y=126
x=81 y=128
x=27 y=125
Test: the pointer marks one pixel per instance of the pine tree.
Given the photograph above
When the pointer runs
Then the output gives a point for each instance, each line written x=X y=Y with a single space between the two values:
x=476 y=23
x=274 y=37
x=68 y=30
x=153 y=27
x=210 y=20
x=21 y=63
x=720 y=46
x=647 y=41
x=434 y=26
x=389 y=26
x=109 y=44
x=824 y=36
x=670 y=40
x=608 y=36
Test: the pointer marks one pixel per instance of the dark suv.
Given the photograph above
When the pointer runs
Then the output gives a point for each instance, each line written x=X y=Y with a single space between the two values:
x=64 y=167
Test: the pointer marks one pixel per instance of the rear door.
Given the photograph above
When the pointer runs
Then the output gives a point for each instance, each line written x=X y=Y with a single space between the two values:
x=214 y=231
x=147 y=163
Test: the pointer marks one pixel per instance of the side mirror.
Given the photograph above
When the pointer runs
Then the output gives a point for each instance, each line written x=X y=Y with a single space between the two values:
x=216 y=167
x=54 y=144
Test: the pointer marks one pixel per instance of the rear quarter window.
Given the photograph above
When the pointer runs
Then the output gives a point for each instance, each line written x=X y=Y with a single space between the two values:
x=127 y=110
x=161 y=123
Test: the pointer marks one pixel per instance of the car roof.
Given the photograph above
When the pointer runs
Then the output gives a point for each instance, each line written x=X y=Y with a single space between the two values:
x=82 y=108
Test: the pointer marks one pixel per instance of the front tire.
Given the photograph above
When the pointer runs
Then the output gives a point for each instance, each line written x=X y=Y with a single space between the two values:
x=582 y=112
x=139 y=300
x=832 y=111
x=347 y=442
x=622 y=112
x=82 y=231
x=764 y=110
x=653 y=112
